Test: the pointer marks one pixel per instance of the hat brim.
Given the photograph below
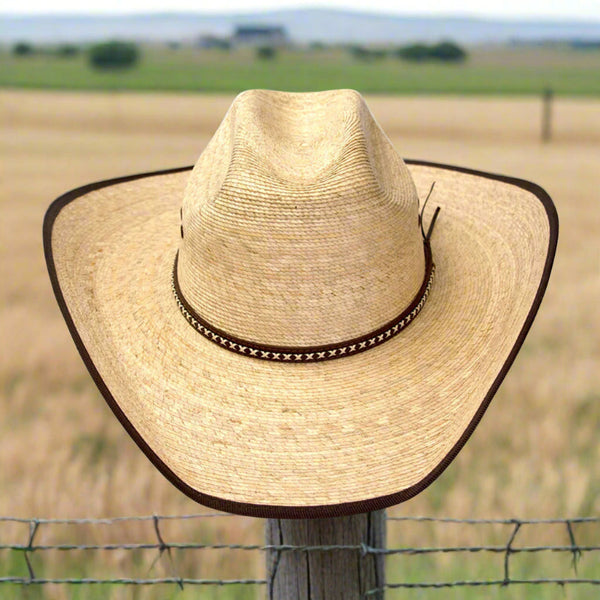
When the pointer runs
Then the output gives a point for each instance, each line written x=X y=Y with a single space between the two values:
x=324 y=439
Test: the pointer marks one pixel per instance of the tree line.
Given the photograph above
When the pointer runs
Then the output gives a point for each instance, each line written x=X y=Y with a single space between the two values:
x=122 y=54
x=106 y=55
x=446 y=51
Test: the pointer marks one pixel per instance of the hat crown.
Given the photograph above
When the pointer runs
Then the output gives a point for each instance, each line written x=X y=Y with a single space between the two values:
x=300 y=222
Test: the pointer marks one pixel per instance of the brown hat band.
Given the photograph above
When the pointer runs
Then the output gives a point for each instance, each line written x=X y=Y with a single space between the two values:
x=313 y=353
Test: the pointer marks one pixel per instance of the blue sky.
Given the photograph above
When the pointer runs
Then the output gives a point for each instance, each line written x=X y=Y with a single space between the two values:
x=548 y=9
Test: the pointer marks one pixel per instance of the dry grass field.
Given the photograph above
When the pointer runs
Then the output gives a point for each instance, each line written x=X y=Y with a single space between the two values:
x=63 y=454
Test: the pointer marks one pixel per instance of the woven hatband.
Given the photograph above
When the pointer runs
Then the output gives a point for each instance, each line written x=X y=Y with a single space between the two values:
x=308 y=353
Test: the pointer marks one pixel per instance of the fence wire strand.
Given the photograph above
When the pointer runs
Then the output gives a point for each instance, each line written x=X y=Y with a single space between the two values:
x=163 y=547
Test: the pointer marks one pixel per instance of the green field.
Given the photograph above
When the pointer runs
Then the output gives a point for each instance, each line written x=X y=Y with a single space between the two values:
x=508 y=70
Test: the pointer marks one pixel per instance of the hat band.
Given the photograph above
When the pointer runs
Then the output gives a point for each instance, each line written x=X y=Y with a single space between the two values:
x=312 y=353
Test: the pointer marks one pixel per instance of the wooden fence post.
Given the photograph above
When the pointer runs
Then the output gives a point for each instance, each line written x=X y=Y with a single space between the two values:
x=547 y=115
x=326 y=574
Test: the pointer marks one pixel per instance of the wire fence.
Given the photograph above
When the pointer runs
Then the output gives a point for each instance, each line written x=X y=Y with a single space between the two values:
x=512 y=533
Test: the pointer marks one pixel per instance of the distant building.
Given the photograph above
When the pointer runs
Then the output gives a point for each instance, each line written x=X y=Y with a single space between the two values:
x=259 y=35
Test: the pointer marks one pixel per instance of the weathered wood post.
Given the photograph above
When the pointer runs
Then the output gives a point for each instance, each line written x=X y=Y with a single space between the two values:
x=326 y=574
x=547 y=115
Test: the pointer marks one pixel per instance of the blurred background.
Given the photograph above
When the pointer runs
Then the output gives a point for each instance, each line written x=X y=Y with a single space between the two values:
x=511 y=87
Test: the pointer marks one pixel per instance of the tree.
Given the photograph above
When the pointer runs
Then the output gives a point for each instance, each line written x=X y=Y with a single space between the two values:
x=266 y=52
x=359 y=52
x=22 y=49
x=114 y=55
x=444 y=51
x=414 y=52
x=448 y=51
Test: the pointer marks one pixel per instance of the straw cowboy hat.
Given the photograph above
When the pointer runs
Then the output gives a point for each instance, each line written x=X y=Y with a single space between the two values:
x=285 y=329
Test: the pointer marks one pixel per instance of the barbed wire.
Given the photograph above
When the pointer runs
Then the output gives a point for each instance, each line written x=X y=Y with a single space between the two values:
x=161 y=546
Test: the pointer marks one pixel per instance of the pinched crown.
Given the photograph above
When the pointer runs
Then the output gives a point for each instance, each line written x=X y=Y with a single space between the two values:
x=300 y=222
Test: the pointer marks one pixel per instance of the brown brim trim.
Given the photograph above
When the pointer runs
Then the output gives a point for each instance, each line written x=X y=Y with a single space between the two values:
x=315 y=511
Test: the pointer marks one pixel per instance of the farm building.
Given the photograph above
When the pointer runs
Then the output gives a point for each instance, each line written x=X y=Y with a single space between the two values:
x=259 y=35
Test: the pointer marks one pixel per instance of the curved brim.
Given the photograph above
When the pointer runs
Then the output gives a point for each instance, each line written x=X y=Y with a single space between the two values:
x=270 y=439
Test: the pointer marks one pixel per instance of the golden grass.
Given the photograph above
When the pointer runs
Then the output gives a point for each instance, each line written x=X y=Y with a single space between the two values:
x=63 y=454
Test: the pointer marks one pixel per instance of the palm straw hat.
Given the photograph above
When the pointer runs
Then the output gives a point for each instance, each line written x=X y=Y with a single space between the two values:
x=280 y=328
